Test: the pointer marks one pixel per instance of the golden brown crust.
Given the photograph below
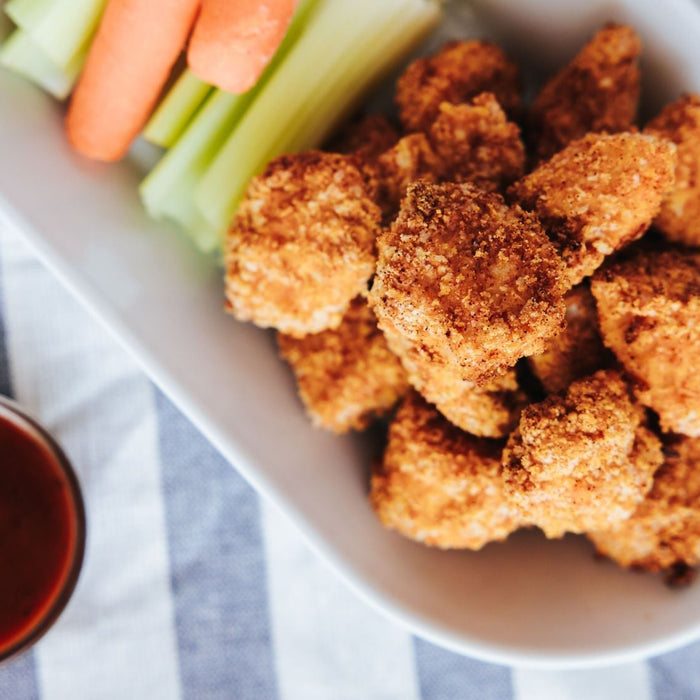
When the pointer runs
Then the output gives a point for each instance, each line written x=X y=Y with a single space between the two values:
x=302 y=244
x=439 y=485
x=465 y=281
x=476 y=143
x=457 y=73
x=577 y=351
x=581 y=461
x=598 y=194
x=679 y=218
x=649 y=311
x=369 y=136
x=409 y=160
x=663 y=534
x=346 y=377
x=598 y=91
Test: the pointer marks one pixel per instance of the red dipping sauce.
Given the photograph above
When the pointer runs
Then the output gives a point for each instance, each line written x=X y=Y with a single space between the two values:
x=42 y=530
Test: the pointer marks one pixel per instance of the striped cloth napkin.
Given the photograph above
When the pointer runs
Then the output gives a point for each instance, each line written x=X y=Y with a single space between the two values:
x=194 y=588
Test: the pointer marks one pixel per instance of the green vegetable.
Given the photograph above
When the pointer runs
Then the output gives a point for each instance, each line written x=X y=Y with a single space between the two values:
x=21 y=54
x=176 y=110
x=168 y=190
x=52 y=40
x=347 y=47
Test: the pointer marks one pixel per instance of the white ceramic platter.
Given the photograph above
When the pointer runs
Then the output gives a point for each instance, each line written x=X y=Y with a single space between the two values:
x=526 y=602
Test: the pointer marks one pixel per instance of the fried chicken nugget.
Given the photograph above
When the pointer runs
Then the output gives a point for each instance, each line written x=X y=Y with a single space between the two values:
x=476 y=143
x=649 y=311
x=663 y=533
x=582 y=461
x=577 y=351
x=679 y=218
x=302 y=244
x=439 y=485
x=465 y=281
x=457 y=73
x=598 y=91
x=369 y=136
x=346 y=377
x=598 y=194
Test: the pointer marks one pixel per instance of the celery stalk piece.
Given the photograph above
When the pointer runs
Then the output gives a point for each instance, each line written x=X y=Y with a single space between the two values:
x=347 y=48
x=21 y=54
x=168 y=190
x=176 y=110
x=63 y=29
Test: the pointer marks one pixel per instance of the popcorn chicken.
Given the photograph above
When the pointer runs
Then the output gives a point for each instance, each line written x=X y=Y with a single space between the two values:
x=439 y=485
x=466 y=282
x=347 y=377
x=582 y=461
x=302 y=244
x=458 y=72
x=597 y=92
x=663 y=533
x=598 y=194
x=649 y=310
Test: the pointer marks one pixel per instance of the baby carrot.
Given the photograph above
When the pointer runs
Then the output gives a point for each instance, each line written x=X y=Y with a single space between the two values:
x=133 y=53
x=233 y=40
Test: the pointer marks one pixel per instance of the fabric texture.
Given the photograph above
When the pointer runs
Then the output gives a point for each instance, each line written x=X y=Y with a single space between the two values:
x=194 y=588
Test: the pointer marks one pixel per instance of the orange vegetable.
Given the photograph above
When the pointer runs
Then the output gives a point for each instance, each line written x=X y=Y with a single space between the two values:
x=129 y=62
x=233 y=40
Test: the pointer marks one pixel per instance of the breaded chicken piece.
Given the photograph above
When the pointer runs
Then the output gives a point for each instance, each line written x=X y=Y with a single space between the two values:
x=679 y=218
x=598 y=194
x=598 y=91
x=302 y=244
x=439 y=485
x=476 y=143
x=346 y=377
x=582 y=461
x=488 y=410
x=576 y=352
x=458 y=72
x=649 y=312
x=663 y=533
x=465 y=281
x=409 y=160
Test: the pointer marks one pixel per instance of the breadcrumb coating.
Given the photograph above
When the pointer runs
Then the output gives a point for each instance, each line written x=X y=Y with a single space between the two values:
x=439 y=485
x=409 y=160
x=346 y=377
x=577 y=351
x=465 y=281
x=598 y=91
x=581 y=461
x=302 y=244
x=489 y=410
x=663 y=533
x=679 y=218
x=476 y=143
x=598 y=194
x=458 y=72
x=649 y=311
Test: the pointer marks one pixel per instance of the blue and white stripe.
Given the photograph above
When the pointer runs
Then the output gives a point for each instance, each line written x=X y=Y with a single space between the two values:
x=194 y=589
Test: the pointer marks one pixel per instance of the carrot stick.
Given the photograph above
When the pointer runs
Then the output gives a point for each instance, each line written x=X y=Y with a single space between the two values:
x=233 y=40
x=129 y=62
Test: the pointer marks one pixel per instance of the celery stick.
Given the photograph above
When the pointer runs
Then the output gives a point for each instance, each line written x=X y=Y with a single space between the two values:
x=21 y=54
x=346 y=48
x=63 y=29
x=176 y=110
x=168 y=190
